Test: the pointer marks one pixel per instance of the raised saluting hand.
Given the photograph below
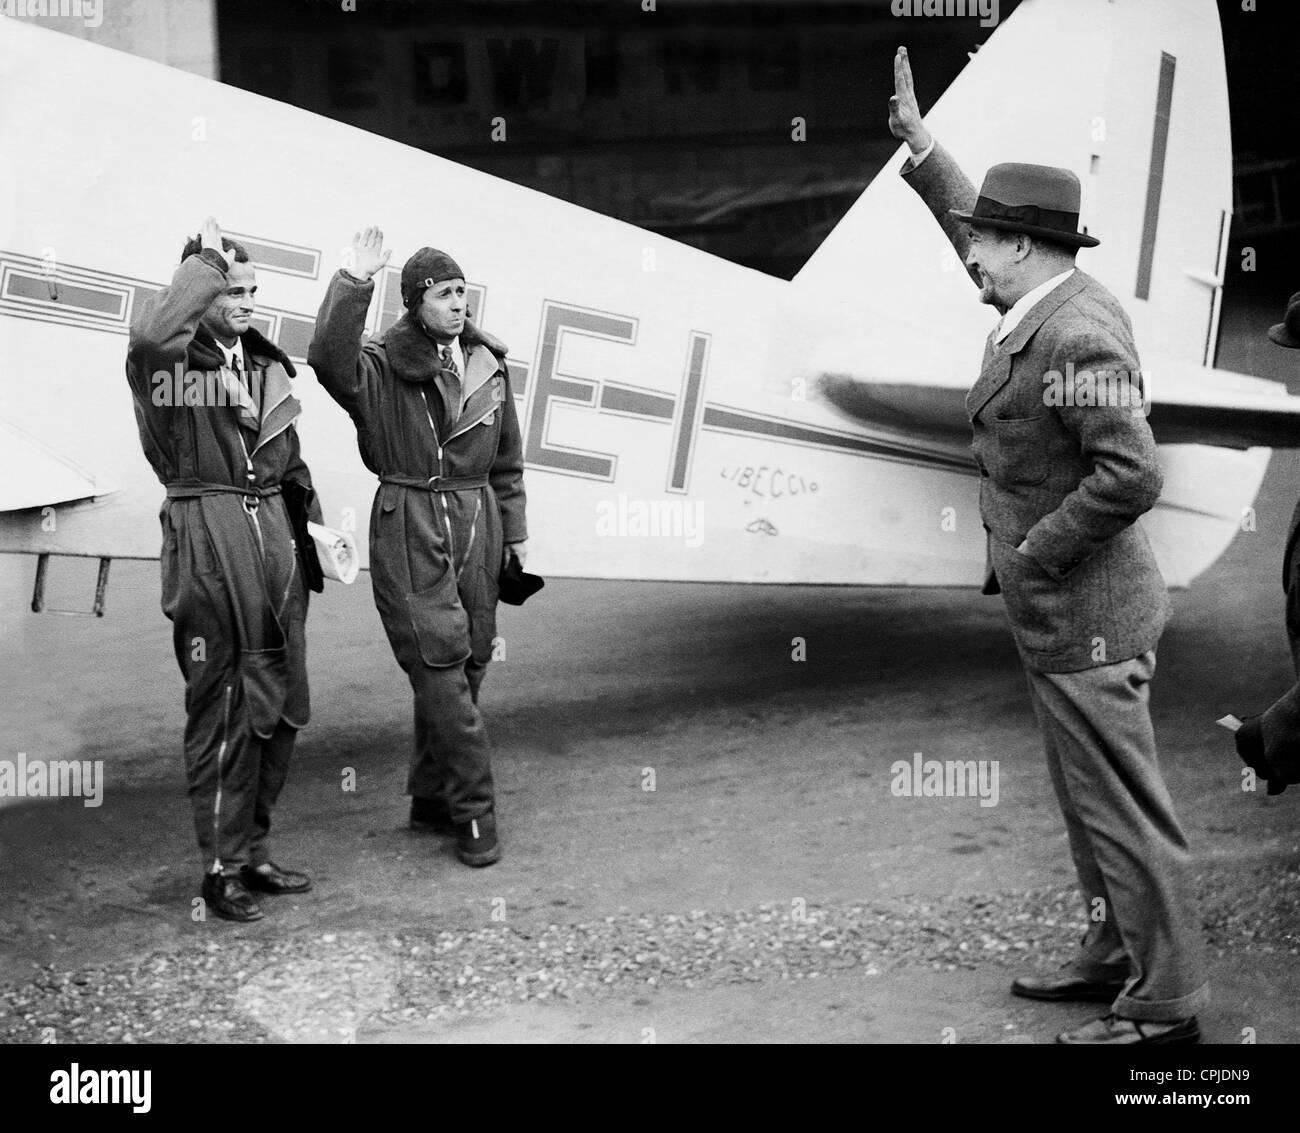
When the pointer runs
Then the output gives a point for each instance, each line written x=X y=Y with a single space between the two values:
x=366 y=256
x=904 y=112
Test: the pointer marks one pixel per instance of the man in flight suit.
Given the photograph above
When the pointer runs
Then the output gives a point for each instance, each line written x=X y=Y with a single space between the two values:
x=436 y=423
x=216 y=417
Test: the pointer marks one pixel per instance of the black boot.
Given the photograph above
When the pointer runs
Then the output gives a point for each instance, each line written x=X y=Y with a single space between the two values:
x=228 y=897
x=431 y=815
x=476 y=840
x=271 y=878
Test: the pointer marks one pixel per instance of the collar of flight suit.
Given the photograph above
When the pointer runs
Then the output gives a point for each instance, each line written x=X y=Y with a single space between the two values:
x=414 y=356
x=280 y=408
x=481 y=396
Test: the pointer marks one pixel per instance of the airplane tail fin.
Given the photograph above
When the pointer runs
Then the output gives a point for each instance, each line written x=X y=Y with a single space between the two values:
x=1132 y=96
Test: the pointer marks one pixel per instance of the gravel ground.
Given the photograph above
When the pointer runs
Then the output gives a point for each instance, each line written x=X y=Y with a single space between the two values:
x=329 y=987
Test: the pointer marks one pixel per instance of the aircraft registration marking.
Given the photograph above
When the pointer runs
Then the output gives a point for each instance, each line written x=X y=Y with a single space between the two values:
x=105 y=302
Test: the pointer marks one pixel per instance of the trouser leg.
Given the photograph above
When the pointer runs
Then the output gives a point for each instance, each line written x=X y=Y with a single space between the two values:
x=474 y=673
x=221 y=764
x=1102 y=956
x=425 y=779
x=1110 y=775
x=451 y=755
x=1293 y=611
x=1280 y=723
x=273 y=770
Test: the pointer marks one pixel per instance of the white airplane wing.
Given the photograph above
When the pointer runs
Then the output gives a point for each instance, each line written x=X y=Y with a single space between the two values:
x=1210 y=407
x=32 y=475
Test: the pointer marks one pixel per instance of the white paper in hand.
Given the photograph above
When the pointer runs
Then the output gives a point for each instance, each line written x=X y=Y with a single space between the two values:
x=337 y=551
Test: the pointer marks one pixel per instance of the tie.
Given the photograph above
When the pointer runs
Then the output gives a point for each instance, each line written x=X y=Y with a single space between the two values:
x=249 y=414
x=451 y=375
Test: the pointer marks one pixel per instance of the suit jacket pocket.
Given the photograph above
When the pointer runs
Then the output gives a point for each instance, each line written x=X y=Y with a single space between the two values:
x=1018 y=450
x=441 y=625
x=1041 y=611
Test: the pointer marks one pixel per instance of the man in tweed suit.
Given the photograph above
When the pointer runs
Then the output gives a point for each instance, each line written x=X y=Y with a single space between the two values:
x=1067 y=465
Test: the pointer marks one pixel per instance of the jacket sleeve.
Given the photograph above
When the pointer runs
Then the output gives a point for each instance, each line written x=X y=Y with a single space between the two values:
x=1125 y=481
x=941 y=184
x=507 y=474
x=296 y=469
x=161 y=332
x=335 y=354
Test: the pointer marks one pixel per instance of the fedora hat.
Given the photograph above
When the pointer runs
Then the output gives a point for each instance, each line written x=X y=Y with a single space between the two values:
x=1287 y=332
x=1040 y=200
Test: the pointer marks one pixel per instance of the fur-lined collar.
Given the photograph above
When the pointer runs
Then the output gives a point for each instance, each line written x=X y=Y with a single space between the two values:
x=207 y=353
x=413 y=354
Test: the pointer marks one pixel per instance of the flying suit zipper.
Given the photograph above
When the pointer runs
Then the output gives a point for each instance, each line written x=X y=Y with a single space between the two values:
x=252 y=512
x=478 y=507
x=446 y=515
x=461 y=428
x=216 y=804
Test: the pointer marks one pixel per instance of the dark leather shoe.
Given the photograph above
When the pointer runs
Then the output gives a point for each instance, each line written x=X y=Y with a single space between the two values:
x=432 y=815
x=228 y=897
x=476 y=841
x=1111 y=1030
x=1065 y=986
x=270 y=878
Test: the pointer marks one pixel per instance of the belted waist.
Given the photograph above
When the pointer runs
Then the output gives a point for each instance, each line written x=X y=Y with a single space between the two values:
x=435 y=483
x=192 y=489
